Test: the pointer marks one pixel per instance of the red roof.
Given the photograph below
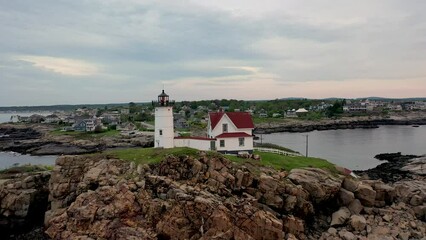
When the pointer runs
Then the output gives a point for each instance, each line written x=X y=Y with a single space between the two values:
x=196 y=138
x=240 y=119
x=233 y=134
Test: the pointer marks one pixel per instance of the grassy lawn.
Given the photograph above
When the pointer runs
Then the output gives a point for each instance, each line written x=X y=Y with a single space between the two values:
x=155 y=155
x=275 y=146
x=24 y=169
x=285 y=162
x=149 y=155
x=87 y=135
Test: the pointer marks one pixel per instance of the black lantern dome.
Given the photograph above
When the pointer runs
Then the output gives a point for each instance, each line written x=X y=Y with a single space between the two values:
x=163 y=100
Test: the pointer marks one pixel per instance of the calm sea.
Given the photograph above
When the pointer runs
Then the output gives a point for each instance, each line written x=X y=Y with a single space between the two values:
x=355 y=148
x=8 y=159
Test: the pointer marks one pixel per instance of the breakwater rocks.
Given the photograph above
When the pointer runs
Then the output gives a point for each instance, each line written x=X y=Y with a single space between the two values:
x=307 y=126
x=209 y=197
x=396 y=168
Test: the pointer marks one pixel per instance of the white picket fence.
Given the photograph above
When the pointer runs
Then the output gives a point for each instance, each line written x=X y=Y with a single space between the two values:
x=276 y=151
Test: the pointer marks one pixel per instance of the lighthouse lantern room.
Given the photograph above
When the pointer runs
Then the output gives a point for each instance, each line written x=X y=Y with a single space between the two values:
x=164 y=129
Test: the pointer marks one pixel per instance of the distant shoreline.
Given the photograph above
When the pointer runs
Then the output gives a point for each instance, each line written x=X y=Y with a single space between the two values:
x=355 y=123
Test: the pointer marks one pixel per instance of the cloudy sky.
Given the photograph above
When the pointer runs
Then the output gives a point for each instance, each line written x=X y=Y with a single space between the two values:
x=105 y=51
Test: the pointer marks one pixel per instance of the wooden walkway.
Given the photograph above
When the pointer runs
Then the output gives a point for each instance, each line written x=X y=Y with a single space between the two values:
x=277 y=151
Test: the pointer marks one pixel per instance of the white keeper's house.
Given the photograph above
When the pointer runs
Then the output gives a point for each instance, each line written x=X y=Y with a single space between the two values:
x=227 y=132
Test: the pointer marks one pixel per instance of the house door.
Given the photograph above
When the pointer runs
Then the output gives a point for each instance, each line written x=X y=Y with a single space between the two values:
x=213 y=145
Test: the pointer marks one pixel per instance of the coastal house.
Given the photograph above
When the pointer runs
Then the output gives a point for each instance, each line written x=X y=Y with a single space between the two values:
x=233 y=131
x=87 y=125
x=127 y=126
x=52 y=118
x=301 y=112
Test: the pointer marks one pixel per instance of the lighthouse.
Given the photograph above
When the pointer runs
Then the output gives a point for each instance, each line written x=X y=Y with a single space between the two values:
x=164 y=130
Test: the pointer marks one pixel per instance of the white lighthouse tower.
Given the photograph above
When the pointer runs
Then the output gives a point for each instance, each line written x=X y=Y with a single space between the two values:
x=164 y=130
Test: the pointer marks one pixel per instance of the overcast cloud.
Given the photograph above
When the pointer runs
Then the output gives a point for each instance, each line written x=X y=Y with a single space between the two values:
x=104 y=51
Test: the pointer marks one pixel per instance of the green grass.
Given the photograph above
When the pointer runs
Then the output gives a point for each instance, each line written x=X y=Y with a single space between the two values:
x=25 y=169
x=149 y=155
x=274 y=146
x=279 y=162
x=86 y=135
x=285 y=162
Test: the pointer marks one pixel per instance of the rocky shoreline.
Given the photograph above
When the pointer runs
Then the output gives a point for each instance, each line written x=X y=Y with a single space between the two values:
x=308 y=126
x=209 y=197
x=396 y=168
x=36 y=140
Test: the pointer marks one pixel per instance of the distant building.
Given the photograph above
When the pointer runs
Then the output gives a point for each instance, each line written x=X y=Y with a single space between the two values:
x=301 y=112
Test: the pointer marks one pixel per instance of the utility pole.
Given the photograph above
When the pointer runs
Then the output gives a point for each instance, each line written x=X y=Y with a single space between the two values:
x=307 y=144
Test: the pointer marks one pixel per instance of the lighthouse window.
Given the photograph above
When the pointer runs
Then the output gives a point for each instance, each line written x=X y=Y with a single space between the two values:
x=161 y=132
x=222 y=143
x=224 y=127
x=241 y=141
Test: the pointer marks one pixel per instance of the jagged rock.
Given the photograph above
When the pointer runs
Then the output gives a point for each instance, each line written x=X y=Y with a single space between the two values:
x=340 y=217
x=293 y=225
x=210 y=198
x=345 y=197
x=332 y=231
x=23 y=201
x=346 y=235
x=365 y=194
x=319 y=183
x=420 y=212
x=350 y=184
x=412 y=192
x=416 y=166
x=267 y=183
x=358 y=222
x=355 y=207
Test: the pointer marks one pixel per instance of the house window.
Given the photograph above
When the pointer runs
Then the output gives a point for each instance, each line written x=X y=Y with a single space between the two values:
x=161 y=132
x=222 y=143
x=241 y=141
x=225 y=127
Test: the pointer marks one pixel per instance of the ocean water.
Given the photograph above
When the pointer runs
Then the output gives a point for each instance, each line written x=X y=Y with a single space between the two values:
x=8 y=159
x=354 y=148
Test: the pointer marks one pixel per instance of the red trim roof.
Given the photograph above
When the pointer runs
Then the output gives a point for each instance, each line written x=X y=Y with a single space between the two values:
x=240 y=119
x=196 y=138
x=233 y=134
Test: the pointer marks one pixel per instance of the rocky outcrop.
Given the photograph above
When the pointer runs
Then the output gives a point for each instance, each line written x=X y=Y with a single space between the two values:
x=36 y=139
x=208 y=197
x=398 y=167
x=23 y=201
x=329 y=124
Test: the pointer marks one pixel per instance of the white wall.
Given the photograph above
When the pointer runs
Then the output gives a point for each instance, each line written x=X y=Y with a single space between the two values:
x=203 y=145
x=164 y=122
x=232 y=144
